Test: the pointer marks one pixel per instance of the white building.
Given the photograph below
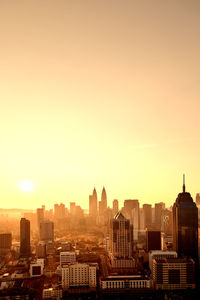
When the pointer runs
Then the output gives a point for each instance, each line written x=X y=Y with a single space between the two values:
x=79 y=275
x=67 y=257
x=37 y=268
x=159 y=254
x=125 y=282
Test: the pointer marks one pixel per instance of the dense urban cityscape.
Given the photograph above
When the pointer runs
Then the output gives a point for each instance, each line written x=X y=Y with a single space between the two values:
x=142 y=252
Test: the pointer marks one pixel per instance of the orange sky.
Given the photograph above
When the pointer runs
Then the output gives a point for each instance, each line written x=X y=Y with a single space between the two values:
x=99 y=93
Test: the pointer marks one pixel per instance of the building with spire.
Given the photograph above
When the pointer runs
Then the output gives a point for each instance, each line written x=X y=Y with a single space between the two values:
x=103 y=202
x=93 y=204
x=185 y=225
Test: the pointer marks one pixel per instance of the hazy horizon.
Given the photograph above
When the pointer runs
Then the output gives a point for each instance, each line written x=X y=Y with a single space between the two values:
x=99 y=93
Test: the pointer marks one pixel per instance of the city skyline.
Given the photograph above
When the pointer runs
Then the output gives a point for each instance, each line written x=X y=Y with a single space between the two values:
x=98 y=93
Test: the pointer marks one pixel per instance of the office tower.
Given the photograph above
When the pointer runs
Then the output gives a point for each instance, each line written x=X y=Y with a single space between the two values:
x=131 y=212
x=72 y=208
x=59 y=211
x=115 y=207
x=173 y=273
x=25 y=248
x=147 y=215
x=47 y=231
x=5 y=242
x=121 y=242
x=153 y=240
x=158 y=214
x=93 y=204
x=103 y=202
x=185 y=226
x=121 y=237
x=198 y=199
x=166 y=221
x=41 y=250
x=40 y=216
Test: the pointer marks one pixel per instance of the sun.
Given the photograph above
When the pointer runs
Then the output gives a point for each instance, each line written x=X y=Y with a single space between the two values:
x=26 y=186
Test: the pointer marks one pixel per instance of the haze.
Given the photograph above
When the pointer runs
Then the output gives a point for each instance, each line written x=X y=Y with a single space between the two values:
x=99 y=93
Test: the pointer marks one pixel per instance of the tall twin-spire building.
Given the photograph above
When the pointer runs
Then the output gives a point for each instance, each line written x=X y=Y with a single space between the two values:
x=93 y=203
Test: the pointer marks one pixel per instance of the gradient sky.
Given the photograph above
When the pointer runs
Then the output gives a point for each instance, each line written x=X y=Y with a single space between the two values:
x=99 y=93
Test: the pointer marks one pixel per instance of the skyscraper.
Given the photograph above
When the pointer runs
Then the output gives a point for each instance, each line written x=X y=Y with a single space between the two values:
x=103 y=202
x=115 y=207
x=121 y=237
x=185 y=225
x=121 y=243
x=25 y=248
x=93 y=204
x=47 y=231
x=147 y=208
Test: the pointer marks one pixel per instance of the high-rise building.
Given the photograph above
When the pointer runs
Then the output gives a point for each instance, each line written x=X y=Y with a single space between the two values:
x=159 y=207
x=185 y=226
x=121 y=242
x=59 y=211
x=40 y=216
x=93 y=204
x=25 y=248
x=115 y=207
x=5 y=242
x=47 y=231
x=121 y=237
x=147 y=209
x=131 y=212
x=153 y=240
x=103 y=202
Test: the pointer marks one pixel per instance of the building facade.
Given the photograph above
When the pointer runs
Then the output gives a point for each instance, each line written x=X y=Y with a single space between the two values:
x=173 y=273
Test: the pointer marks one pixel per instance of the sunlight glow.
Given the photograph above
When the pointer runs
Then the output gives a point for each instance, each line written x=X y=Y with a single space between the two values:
x=26 y=186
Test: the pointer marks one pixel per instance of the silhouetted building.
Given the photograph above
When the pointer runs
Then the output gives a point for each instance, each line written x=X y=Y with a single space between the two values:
x=93 y=204
x=103 y=202
x=5 y=242
x=147 y=209
x=158 y=214
x=47 y=231
x=153 y=240
x=115 y=207
x=25 y=248
x=40 y=216
x=185 y=226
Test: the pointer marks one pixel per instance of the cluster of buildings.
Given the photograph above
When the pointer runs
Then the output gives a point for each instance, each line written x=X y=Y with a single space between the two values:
x=144 y=249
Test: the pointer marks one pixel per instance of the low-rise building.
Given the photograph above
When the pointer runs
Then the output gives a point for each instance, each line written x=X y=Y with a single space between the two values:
x=154 y=254
x=79 y=275
x=173 y=274
x=125 y=282
x=67 y=257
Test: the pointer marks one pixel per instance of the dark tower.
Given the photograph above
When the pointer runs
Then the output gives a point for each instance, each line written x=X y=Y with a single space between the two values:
x=25 y=248
x=185 y=225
